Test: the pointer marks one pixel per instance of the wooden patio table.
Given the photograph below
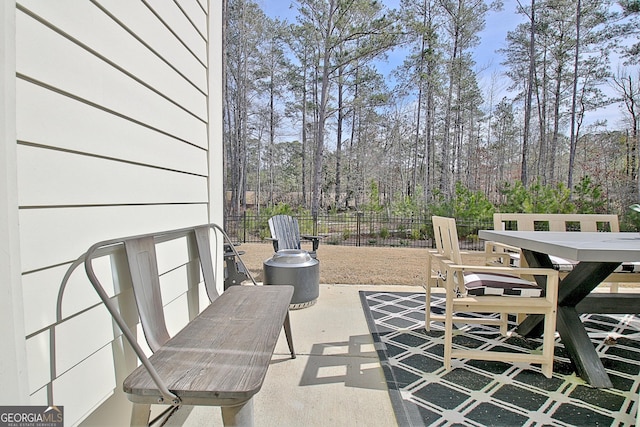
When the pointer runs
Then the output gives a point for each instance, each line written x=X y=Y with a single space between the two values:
x=598 y=255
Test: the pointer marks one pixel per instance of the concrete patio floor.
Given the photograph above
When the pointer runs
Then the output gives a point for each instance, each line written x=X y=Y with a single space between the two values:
x=336 y=379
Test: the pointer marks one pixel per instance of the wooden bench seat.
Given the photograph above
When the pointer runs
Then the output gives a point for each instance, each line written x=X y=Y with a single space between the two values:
x=220 y=357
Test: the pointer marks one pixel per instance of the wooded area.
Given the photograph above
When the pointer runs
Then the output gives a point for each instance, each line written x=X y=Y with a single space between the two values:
x=310 y=121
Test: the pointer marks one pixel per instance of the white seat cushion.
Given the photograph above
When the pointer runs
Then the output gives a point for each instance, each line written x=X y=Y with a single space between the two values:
x=628 y=267
x=481 y=284
x=562 y=264
x=566 y=265
x=558 y=263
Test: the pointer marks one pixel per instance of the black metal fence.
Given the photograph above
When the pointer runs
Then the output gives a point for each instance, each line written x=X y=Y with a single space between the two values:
x=359 y=229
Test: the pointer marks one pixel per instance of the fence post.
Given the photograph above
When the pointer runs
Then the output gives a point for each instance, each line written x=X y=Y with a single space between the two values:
x=244 y=227
x=315 y=223
x=358 y=216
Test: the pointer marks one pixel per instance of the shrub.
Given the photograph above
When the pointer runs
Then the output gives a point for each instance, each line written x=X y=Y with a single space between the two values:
x=589 y=197
x=466 y=205
x=384 y=233
x=538 y=198
x=416 y=233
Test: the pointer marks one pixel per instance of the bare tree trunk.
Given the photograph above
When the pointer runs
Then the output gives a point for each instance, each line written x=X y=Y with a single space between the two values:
x=355 y=124
x=339 y=136
x=272 y=135
x=445 y=183
x=542 y=119
x=528 y=101
x=630 y=92
x=225 y=164
x=553 y=149
x=419 y=101
x=574 y=136
x=429 y=159
x=322 y=113
x=416 y=142
x=304 y=130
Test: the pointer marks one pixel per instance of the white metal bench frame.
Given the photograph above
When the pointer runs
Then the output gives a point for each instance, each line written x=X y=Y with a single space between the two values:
x=252 y=328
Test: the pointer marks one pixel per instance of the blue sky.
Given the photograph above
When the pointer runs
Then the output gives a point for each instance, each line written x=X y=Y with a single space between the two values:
x=488 y=60
x=492 y=38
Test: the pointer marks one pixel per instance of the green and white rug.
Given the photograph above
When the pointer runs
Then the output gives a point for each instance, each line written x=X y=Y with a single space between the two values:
x=479 y=393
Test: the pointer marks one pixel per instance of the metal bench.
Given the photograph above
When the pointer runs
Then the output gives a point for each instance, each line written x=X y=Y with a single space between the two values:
x=220 y=358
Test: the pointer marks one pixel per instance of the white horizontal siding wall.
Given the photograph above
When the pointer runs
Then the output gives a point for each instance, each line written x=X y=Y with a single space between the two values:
x=13 y=366
x=116 y=133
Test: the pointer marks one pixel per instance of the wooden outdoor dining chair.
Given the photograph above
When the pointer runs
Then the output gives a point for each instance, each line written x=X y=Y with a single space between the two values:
x=501 y=254
x=480 y=294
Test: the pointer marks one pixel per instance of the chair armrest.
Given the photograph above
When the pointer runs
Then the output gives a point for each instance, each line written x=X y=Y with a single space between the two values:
x=309 y=237
x=524 y=271
x=432 y=276
x=550 y=284
x=501 y=254
x=497 y=246
x=314 y=239
x=274 y=242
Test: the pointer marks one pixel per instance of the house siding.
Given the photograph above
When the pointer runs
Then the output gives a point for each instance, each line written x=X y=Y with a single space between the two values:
x=113 y=137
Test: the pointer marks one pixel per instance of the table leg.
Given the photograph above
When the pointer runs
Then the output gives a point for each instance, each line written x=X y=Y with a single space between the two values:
x=578 y=284
x=580 y=348
x=574 y=288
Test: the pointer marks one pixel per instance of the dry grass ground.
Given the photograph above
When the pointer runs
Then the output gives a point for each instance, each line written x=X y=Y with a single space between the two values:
x=362 y=265
x=366 y=265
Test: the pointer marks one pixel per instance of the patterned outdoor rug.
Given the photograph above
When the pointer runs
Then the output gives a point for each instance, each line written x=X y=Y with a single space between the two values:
x=479 y=393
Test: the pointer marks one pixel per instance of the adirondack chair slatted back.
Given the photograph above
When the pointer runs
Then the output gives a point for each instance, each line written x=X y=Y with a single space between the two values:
x=285 y=230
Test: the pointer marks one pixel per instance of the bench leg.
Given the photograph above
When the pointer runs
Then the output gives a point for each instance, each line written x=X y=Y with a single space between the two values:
x=287 y=332
x=238 y=416
x=140 y=415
